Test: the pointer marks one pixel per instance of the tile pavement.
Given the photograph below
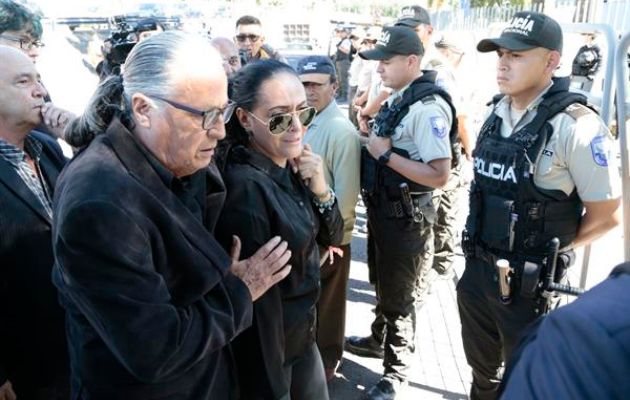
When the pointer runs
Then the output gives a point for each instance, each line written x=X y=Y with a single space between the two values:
x=440 y=370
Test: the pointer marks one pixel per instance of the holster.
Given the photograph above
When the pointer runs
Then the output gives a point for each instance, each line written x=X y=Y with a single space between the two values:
x=369 y=173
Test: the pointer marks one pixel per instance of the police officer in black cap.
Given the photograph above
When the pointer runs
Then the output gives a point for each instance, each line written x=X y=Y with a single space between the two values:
x=544 y=169
x=408 y=155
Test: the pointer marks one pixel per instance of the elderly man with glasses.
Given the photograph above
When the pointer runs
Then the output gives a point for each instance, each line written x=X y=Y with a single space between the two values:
x=21 y=28
x=229 y=53
x=152 y=300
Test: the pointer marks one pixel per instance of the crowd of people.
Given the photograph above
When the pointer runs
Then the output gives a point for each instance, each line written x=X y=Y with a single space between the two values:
x=197 y=245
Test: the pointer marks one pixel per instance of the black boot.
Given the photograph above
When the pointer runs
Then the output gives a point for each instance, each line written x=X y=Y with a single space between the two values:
x=385 y=389
x=364 y=346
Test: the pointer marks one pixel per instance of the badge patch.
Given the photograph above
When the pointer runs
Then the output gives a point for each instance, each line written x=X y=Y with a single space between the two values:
x=600 y=150
x=547 y=153
x=438 y=126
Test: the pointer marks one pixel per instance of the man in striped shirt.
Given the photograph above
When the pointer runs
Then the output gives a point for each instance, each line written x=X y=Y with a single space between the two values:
x=33 y=355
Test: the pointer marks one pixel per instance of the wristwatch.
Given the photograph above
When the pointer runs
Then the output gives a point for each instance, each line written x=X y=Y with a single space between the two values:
x=384 y=158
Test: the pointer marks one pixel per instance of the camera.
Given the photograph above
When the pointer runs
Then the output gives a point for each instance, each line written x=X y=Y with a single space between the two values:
x=245 y=56
x=125 y=36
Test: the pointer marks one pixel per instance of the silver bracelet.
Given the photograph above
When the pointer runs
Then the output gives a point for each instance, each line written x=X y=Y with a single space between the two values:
x=325 y=205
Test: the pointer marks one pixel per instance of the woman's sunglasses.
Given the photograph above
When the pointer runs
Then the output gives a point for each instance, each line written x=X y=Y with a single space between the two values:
x=278 y=124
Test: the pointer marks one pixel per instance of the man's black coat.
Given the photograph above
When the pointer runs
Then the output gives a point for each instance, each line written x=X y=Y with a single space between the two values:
x=32 y=337
x=151 y=306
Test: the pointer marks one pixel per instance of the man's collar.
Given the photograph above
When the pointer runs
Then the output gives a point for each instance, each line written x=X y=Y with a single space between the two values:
x=326 y=110
x=396 y=94
x=15 y=155
x=166 y=176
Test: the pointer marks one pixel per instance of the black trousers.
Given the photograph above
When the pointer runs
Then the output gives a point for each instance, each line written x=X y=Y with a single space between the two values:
x=308 y=381
x=490 y=329
x=331 y=308
x=342 y=67
x=396 y=252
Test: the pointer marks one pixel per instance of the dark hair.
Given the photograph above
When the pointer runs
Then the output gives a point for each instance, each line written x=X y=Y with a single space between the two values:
x=248 y=20
x=14 y=17
x=245 y=87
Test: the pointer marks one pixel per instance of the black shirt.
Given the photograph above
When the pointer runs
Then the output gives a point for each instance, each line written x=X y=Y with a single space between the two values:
x=263 y=201
x=190 y=190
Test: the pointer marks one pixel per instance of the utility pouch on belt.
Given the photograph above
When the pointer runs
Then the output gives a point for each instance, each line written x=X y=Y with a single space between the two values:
x=474 y=204
x=369 y=172
x=425 y=204
x=498 y=225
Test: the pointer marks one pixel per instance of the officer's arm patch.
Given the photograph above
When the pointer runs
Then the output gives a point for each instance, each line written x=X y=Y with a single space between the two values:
x=438 y=127
x=601 y=151
x=428 y=99
x=577 y=110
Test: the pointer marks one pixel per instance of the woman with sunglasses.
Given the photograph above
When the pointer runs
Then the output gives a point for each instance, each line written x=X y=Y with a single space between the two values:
x=276 y=186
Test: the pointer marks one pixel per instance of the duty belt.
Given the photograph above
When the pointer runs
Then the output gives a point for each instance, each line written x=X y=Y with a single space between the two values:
x=399 y=209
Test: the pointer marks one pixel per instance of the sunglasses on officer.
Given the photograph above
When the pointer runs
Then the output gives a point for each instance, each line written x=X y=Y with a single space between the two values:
x=209 y=117
x=278 y=124
x=242 y=37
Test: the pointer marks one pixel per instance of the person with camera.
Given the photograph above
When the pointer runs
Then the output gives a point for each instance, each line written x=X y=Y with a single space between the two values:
x=116 y=48
x=251 y=41
x=544 y=170
x=407 y=156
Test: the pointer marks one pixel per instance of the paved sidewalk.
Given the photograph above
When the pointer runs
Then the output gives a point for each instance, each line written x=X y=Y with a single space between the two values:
x=440 y=370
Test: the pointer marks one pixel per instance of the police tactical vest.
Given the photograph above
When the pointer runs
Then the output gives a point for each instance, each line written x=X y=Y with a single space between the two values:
x=422 y=89
x=376 y=177
x=508 y=212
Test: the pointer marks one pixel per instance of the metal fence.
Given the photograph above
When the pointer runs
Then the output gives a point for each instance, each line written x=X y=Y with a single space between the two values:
x=622 y=118
x=613 y=12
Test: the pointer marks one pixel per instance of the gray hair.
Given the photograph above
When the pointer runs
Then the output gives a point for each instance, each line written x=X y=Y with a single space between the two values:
x=153 y=68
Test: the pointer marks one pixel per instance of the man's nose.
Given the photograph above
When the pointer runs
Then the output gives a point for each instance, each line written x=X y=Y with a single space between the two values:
x=40 y=90
x=33 y=53
x=218 y=131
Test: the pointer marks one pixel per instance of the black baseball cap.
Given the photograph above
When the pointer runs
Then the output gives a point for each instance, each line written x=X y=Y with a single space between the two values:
x=316 y=69
x=413 y=16
x=394 y=41
x=526 y=30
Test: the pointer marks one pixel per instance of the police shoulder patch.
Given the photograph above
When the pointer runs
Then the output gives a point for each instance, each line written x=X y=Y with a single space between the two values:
x=428 y=99
x=577 y=110
x=438 y=126
x=600 y=149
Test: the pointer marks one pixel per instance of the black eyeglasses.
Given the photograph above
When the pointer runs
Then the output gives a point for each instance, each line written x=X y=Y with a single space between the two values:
x=25 y=43
x=210 y=117
x=278 y=124
x=232 y=60
x=241 y=37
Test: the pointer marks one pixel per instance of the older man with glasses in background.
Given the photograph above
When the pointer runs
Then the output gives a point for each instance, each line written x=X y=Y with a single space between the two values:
x=229 y=54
